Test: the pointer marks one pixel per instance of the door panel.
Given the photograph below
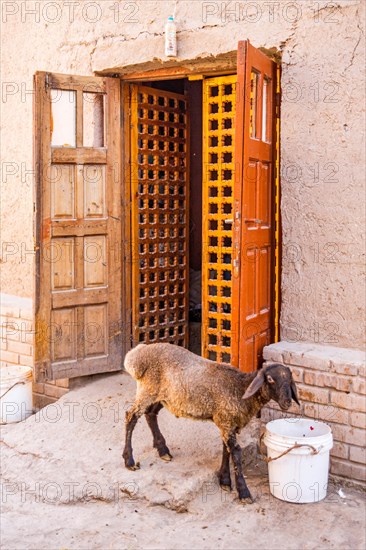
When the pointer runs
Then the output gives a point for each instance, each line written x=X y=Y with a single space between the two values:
x=264 y=273
x=219 y=102
x=265 y=195
x=79 y=280
x=159 y=144
x=254 y=194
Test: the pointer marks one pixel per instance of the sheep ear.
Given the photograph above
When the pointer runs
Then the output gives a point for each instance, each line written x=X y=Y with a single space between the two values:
x=255 y=385
x=294 y=393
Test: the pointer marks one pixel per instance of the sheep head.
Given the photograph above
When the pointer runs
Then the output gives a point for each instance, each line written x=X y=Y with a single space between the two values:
x=277 y=382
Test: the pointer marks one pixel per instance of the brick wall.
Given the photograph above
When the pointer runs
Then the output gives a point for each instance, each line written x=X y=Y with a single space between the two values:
x=17 y=346
x=331 y=385
x=16 y=331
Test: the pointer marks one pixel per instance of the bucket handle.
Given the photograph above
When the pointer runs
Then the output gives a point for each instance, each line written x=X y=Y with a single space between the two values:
x=296 y=446
x=11 y=387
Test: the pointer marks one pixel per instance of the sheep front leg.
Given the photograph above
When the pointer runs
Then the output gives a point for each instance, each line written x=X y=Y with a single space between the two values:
x=159 y=443
x=224 y=472
x=235 y=451
x=132 y=417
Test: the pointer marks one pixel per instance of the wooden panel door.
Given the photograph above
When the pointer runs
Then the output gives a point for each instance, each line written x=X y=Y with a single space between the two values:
x=79 y=328
x=219 y=102
x=159 y=184
x=253 y=233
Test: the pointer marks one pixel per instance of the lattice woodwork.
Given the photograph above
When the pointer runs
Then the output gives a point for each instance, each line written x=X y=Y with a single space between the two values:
x=218 y=178
x=159 y=211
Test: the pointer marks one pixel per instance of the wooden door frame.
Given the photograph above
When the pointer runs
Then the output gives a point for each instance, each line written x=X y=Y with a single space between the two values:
x=175 y=73
x=277 y=256
x=126 y=242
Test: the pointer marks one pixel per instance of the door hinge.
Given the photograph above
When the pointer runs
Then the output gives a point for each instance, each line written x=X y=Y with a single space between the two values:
x=278 y=103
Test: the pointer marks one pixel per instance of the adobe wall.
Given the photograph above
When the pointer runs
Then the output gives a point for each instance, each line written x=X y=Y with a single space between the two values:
x=322 y=124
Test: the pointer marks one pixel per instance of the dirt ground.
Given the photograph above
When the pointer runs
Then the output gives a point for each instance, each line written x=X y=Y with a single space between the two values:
x=64 y=486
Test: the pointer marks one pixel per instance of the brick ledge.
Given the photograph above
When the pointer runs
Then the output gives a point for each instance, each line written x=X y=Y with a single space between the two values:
x=317 y=356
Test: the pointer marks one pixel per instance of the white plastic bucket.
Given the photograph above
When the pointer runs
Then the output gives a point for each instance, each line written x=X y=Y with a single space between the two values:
x=301 y=475
x=16 y=401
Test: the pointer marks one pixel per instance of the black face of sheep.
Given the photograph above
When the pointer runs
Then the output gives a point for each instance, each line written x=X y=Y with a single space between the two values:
x=277 y=381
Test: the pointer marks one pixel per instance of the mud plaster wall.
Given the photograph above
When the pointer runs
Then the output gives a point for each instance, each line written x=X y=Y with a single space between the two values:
x=322 y=129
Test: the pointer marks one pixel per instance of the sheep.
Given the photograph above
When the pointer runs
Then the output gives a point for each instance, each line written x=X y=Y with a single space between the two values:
x=193 y=387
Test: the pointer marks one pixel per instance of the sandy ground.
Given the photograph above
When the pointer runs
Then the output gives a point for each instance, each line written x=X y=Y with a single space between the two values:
x=64 y=486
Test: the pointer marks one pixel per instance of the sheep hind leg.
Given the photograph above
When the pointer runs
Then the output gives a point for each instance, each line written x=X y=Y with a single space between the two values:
x=151 y=416
x=236 y=455
x=132 y=416
x=224 y=472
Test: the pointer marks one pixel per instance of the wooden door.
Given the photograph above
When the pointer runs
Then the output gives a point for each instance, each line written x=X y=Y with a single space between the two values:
x=159 y=184
x=254 y=194
x=219 y=103
x=79 y=325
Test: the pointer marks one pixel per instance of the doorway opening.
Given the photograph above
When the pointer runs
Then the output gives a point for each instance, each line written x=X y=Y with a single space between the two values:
x=185 y=304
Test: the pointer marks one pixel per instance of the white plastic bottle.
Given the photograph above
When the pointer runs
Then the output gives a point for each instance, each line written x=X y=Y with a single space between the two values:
x=170 y=38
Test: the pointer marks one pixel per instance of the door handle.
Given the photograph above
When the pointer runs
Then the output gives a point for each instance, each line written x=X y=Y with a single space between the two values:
x=231 y=220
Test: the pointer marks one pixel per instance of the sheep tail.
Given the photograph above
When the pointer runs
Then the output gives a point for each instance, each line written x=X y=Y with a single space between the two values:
x=135 y=363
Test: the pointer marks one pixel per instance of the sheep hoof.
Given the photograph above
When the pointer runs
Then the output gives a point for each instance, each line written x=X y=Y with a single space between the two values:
x=132 y=466
x=167 y=457
x=246 y=500
x=225 y=487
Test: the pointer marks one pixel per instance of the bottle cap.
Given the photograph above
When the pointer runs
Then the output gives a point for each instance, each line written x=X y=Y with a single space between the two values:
x=170 y=18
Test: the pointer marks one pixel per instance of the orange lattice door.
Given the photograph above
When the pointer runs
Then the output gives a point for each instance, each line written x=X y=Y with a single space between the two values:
x=254 y=194
x=159 y=183
x=219 y=102
x=79 y=319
